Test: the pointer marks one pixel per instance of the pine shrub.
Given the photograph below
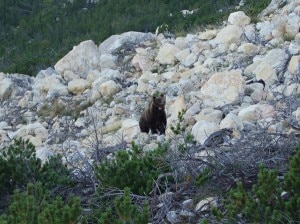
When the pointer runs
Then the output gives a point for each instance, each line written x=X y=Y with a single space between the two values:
x=19 y=167
x=35 y=206
x=125 y=212
x=134 y=169
x=264 y=202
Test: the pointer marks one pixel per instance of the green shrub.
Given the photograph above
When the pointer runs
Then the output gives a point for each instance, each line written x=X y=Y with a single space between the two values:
x=19 y=166
x=124 y=212
x=264 y=203
x=35 y=206
x=133 y=169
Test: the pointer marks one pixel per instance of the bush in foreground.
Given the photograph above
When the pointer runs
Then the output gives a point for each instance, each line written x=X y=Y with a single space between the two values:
x=271 y=200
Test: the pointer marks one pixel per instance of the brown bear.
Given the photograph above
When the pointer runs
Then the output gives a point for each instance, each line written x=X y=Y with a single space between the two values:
x=154 y=116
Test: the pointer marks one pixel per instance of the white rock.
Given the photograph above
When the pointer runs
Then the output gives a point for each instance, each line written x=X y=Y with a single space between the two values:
x=194 y=109
x=180 y=43
x=44 y=154
x=108 y=61
x=181 y=55
x=78 y=86
x=232 y=121
x=296 y=114
x=166 y=54
x=4 y=137
x=265 y=72
x=70 y=75
x=188 y=204
x=93 y=75
x=130 y=129
x=190 y=60
x=294 y=65
x=230 y=34
x=271 y=8
x=80 y=60
x=172 y=217
x=239 y=18
x=297 y=38
x=45 y=81
x=203 y=129
x=143 y=62
x=209 y=114
x=293 y=25
x=26 y=100
x=258 y=95
x=208 y=35
x=257 y=112
x=168 y=75
x=3 y=124
x=37 y=132
x=206 y=204
x=292 y=89
x=57 y=90
x=109 y=88
x=79 y=122
x=148 y=76
x=115 y=42
x=277 y=58
x=248 y=49
x=177 y=106
x=5 y=88
x=294 y=48
x=265 y=29
x=250 y=32
x=223 y=88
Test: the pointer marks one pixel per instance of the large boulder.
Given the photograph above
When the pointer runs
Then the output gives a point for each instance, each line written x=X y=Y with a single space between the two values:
x=109 y=88
x=257 y=112
x=77 y=86
x=144 y=59
x=239 y=18
x=80 y=60
x=223 y=88
x=294 y=65
x=208 y=34
x=166 y=54
x=271 y=64
x=116 y=42
x=232 y=121
x=130 y=129
x=47 y=83
x=5 y=88
x=36 y=133
x=203 y=129
x=231 y=34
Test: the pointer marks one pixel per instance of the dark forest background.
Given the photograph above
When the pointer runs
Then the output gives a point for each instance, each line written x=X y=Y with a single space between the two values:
x=35 y=34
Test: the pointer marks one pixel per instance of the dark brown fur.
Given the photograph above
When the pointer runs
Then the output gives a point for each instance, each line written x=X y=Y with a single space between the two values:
x=154 y=117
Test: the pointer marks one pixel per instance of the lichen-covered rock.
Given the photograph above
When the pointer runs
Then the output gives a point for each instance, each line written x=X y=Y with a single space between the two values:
x=223 y=88
x=5 y=88
x=203 y=129
x=239 y=18
x=78 y=86
x=257 y=112
x=166 y=54
x=230 y=34
x=83 y=58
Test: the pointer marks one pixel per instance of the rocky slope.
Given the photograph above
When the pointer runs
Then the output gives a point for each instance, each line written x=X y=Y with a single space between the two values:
x=206 y=73
x=93 y=97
